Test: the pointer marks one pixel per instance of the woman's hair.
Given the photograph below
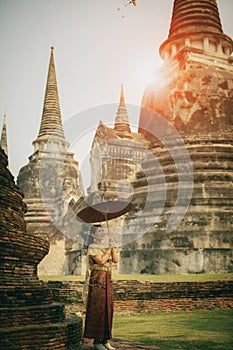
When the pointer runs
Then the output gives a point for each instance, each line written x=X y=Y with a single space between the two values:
x=91 y=236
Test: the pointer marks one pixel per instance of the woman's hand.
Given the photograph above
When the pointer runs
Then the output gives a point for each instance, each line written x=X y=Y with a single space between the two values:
x=111 y=243
x=102 y=259
x=115 y=255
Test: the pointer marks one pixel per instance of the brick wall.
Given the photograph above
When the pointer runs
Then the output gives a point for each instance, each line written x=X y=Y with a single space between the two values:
x=134 y=296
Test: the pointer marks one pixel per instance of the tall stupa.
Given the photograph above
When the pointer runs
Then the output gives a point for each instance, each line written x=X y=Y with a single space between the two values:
x=187 y=115
x=50 y=181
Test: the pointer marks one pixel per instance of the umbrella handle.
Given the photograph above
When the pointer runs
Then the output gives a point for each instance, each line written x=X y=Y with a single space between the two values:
x=106 y=219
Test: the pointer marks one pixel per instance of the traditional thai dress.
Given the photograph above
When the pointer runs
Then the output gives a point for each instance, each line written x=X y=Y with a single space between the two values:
x=99 y=305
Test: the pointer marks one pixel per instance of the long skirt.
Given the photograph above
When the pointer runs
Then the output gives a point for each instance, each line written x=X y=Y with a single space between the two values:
x=99 y=311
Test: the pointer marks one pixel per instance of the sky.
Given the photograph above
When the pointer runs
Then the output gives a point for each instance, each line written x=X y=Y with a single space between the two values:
x=99 y=44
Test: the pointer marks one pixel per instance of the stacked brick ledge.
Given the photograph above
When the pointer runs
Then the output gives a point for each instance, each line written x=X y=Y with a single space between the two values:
x=30 y=318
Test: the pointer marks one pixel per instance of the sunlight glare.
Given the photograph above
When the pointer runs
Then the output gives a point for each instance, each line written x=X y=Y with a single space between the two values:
x=144 y=76
x=159 y=79
x=151 y=73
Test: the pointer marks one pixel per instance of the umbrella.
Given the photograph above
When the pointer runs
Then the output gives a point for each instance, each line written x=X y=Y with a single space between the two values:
x=101 y=211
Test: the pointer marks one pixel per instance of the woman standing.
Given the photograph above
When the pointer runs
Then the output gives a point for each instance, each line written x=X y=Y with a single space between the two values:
x=99 y=308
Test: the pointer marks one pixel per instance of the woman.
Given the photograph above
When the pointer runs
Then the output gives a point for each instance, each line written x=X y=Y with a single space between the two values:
x=99 y=308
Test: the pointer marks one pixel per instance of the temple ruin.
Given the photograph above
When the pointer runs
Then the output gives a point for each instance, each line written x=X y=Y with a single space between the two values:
x=116 y=156
x=178 y=164
x=30 y=319
x=50 y=181
x=190 y=101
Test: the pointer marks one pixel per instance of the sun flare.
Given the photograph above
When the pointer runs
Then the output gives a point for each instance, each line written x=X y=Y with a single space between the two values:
x=150 y=72
x=159 y=78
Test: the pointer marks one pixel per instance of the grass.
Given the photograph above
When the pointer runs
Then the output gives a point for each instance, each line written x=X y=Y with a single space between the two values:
x=175 y=278
x=154 y=278
x=198 y=330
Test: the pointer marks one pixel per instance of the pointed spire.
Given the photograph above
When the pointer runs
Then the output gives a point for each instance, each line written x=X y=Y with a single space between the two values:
x=122 y=97
x=3 y=141
x=51 y=123
x=196 y=23
x=122 y=120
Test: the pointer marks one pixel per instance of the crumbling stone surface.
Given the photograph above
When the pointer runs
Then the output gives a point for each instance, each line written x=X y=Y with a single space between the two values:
x=195 y=100
x=136 y=296
x=30 y=319
x=50 y=181
x=203 y=241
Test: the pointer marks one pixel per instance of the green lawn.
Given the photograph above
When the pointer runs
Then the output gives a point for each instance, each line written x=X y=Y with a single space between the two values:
x=175 y=278
x=199 y=330
x=155 y=278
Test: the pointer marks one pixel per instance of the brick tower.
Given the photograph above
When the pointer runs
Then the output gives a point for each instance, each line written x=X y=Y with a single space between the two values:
x=50 y=181
x=30 y=319
x=190 y=101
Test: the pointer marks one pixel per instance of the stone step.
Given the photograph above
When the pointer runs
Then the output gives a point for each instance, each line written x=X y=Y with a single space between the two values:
x=37 y=314
x=64 y=336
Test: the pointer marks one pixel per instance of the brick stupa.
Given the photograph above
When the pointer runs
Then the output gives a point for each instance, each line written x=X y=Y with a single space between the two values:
x=29 y=317
x=50 y=181
x=189 y=100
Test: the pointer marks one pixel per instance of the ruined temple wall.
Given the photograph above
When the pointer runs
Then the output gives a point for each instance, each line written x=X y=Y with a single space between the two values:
x=195 y=99
x=134 y=296
x=203 y=241
x=50 y=182
x=176 y=260
x=194 y=92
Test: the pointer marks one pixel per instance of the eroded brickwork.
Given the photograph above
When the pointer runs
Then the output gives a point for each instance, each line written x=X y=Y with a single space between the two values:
x=29 y=316
x=135 y=296
x=187 y=116
x=50 y=181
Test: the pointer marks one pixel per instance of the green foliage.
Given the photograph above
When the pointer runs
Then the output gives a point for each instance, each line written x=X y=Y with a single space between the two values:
x=198 y=330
